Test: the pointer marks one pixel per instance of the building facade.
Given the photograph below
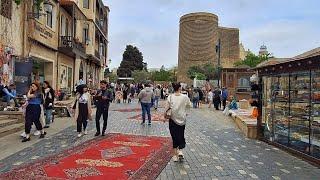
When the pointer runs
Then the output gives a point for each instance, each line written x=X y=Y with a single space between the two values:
x=203 y=41
x=61 y=42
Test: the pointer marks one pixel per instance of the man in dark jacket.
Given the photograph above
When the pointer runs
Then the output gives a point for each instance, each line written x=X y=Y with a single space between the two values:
x=102 y=100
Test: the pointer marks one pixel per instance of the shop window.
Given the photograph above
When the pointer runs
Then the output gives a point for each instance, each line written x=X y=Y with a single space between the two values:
x=86 y=4
x=65 y=77
x=243 y=82
x=6 y=8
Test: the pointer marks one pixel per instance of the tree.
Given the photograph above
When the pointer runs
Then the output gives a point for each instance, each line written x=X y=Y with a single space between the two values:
x=252 y=60
x=162 y=75
x=141 y=76
x=202 y=72
x=132 y=60
x=37 y=3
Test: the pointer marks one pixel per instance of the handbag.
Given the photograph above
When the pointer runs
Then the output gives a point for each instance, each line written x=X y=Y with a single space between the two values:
x=168 y=113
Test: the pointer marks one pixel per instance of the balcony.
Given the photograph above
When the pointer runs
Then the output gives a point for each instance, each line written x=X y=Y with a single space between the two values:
x=71 y=46
x=101 y=26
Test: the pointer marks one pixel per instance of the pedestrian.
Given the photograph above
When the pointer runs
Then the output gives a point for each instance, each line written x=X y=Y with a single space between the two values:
x=119 y=95
x=145 y=97
x=33 y=111
x=103 y=99
x=157 y=95
x=216 y=98
x=10 y=93
x=210 y=97
x=195 y=98
x=49 y=96
x=82 y=109
x=178 y=104
x=125 y=94
x=224 y=97
x=200 y=97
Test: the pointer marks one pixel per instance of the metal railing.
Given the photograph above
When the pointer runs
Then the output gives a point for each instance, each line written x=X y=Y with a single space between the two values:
x=71 y=42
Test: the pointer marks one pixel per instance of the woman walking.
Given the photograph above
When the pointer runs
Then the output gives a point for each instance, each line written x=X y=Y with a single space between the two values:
x=48 y=102
x=82 y=107
x=178 y=104
x=33 y=111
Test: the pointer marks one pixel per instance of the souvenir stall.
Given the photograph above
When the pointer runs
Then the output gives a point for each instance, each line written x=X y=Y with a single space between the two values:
x=290 y=108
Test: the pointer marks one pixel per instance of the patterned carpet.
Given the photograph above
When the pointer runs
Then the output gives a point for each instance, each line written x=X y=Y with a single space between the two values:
x=116 y=156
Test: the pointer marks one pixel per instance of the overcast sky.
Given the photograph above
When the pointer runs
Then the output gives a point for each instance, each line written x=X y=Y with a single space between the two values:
x=287 y=27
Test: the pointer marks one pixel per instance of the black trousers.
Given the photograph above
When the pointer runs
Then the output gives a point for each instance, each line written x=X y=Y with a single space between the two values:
x=33 y=112
x=104 y=113
x=82 y=117
x=224 y=102
x=177 y=134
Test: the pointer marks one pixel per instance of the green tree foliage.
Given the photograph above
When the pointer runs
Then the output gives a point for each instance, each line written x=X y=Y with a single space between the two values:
x=132 y=59
x=206 y=71
x=162 y=75
x=252 y=60
x=37 y=3
x=141 y=76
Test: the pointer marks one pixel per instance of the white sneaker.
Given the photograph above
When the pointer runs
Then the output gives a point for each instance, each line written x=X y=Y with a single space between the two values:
x=85 y=132
x=79 y=135
x=23 y=134
x=37 y=133
x=180 y=154
x=175 y=158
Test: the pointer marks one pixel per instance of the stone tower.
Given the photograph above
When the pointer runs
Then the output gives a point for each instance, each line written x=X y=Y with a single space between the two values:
x=198 y=37
x=263 y=50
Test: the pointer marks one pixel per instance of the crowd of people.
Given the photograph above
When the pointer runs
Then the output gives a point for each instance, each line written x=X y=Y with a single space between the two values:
x=41 y=99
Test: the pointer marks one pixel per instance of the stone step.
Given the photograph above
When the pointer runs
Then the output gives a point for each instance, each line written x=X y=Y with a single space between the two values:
x=4 y=131
x=4 y=117
x=8 y=122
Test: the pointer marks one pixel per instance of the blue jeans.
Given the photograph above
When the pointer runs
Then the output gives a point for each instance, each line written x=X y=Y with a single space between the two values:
x=48 y=116
x=195 y=102
x=146 y=109
x=156 y=102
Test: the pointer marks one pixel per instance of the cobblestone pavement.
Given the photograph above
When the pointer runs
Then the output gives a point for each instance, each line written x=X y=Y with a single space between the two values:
x=215 y=149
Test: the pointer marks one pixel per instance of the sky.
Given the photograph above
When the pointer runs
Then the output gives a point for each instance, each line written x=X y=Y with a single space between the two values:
x=286 y=27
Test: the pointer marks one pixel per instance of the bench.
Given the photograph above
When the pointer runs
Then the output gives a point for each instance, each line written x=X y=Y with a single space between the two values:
x=13 y=115
x=245 y=122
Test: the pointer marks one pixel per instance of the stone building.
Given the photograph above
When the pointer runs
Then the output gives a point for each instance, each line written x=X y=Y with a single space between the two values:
x=60 y=42
x=199 y=38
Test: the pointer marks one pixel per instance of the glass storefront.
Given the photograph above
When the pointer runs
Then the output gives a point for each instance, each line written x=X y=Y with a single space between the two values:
x=291 y=111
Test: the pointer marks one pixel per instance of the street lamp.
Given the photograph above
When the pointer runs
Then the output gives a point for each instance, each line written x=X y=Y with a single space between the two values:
x=218 y=50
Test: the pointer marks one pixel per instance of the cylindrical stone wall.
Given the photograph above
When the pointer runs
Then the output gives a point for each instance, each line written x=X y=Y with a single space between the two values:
x=198 y=38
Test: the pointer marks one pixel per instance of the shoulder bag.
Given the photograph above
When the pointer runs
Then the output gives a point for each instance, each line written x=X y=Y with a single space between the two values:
x=168 y=114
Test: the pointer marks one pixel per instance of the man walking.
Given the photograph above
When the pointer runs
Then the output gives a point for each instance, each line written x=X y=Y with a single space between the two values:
x=157 y=93
x=224 y=97
x=145 y=97
x=102 y=100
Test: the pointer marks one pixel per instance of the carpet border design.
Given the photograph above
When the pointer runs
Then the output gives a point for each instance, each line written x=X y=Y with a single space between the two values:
x=146 y=171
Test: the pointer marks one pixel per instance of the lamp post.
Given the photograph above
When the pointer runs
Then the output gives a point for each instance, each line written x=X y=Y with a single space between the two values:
x=218 y=50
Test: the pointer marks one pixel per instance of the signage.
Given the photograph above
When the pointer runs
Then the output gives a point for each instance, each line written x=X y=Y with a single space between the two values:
x=43 y=32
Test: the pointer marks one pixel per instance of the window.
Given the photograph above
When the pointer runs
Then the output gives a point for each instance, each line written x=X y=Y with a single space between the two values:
x=85 y=35
x=86 y=4
x=63 y=26
x=243 y=82
x=49 y=18
x=6 y=8
x=36 y=10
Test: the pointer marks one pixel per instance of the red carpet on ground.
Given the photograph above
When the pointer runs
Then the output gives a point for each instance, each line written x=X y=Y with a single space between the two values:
x=116 y=156
x=155 y=116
